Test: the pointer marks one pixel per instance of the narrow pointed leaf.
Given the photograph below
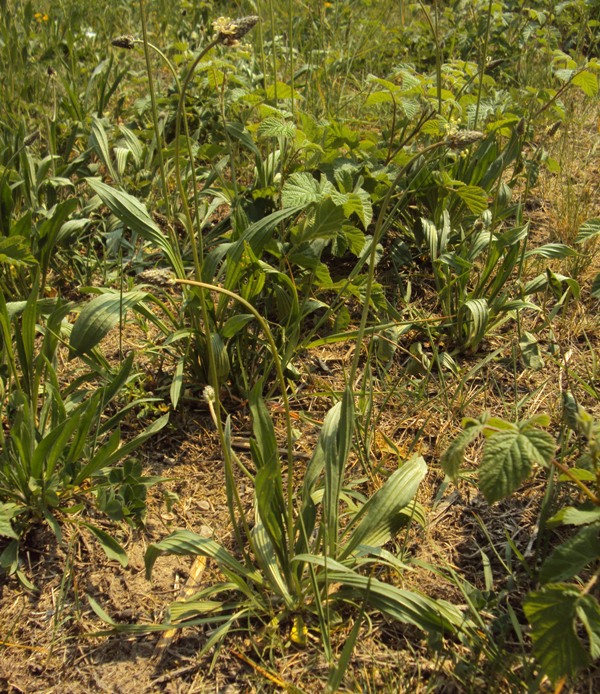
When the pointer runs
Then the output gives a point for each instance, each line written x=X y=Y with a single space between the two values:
x=379 y=519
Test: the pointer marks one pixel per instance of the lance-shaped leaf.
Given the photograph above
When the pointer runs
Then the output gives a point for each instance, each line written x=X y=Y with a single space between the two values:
x=185 y=543
x=379 y=519
x=99 y=316
x=135 y=215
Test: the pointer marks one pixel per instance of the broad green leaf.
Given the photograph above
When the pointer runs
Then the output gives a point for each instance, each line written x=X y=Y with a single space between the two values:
x=508 y=458
x=588 y=230
x=234 y=324
x=300 y=189
x=379 y=519
x=7 y=513
x=530 y=351
x=14 y=250
x=572 y=556
x=404 y=605
x=49 y=449
x=177 y=383
x=111 y=547
x=276 y=127
x=267 y=560
x=98 y=317
x=552 y=613
x=101 y=146
x=336 y=441
x=327 y=222
x=587 y=81
x=595 y=290
x=570 y=515
x=588 y=611
x=474 y=197
x=359 y=203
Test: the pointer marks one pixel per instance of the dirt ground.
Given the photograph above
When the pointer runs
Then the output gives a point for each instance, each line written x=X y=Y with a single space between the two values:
x=49 y=639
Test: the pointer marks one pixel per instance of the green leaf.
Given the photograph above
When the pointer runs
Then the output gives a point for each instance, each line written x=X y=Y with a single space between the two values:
x=7 y=513
x=508 y=458
x=100 y=141
x=473 y=317
x=568 y=559
x=14 y=250
x=100 y=461
x=588 y=230
x=379 y=519
x=552 y=613
x=300 y=189
x=326 y=223
x=595 y=290
x=552 y=250
x=276 y=127
x=569 y=515
x=474 y=197
x=588 y=611
x=98 y=317
x=587 y=82
x=111 y=547
x=453 y=456
x=177 y=383
x=185 y=543
x=135 y=215
x=234 y=324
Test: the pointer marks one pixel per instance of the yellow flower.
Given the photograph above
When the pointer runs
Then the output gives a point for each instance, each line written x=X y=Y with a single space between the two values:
x=39 y=17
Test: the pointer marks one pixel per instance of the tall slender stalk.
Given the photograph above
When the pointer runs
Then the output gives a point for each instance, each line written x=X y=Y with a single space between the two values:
x=482 y=63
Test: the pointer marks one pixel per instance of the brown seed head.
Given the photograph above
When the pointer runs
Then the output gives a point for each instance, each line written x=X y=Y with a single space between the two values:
x=127 y=41
x=465 y=138
x=30 y=139
x=553 y=129
x=230 y=31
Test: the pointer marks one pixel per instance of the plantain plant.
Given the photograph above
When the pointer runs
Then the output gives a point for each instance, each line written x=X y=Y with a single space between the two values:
x=60 y=458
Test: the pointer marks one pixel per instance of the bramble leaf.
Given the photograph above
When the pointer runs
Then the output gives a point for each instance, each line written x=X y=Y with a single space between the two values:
x=552 y=613
x=508 y=458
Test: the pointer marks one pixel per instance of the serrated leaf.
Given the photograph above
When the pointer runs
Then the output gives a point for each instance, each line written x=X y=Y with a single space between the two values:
x=552 y=614
x=359 y=203
x=276 y=127
x=300 y=189
x=587 y=82
x=99 y=316
x=326 y=223
x=573 y=555
x=588 y=611
x=508 y=458
x=570 y=515
x=474 y=197
x=588 y=230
